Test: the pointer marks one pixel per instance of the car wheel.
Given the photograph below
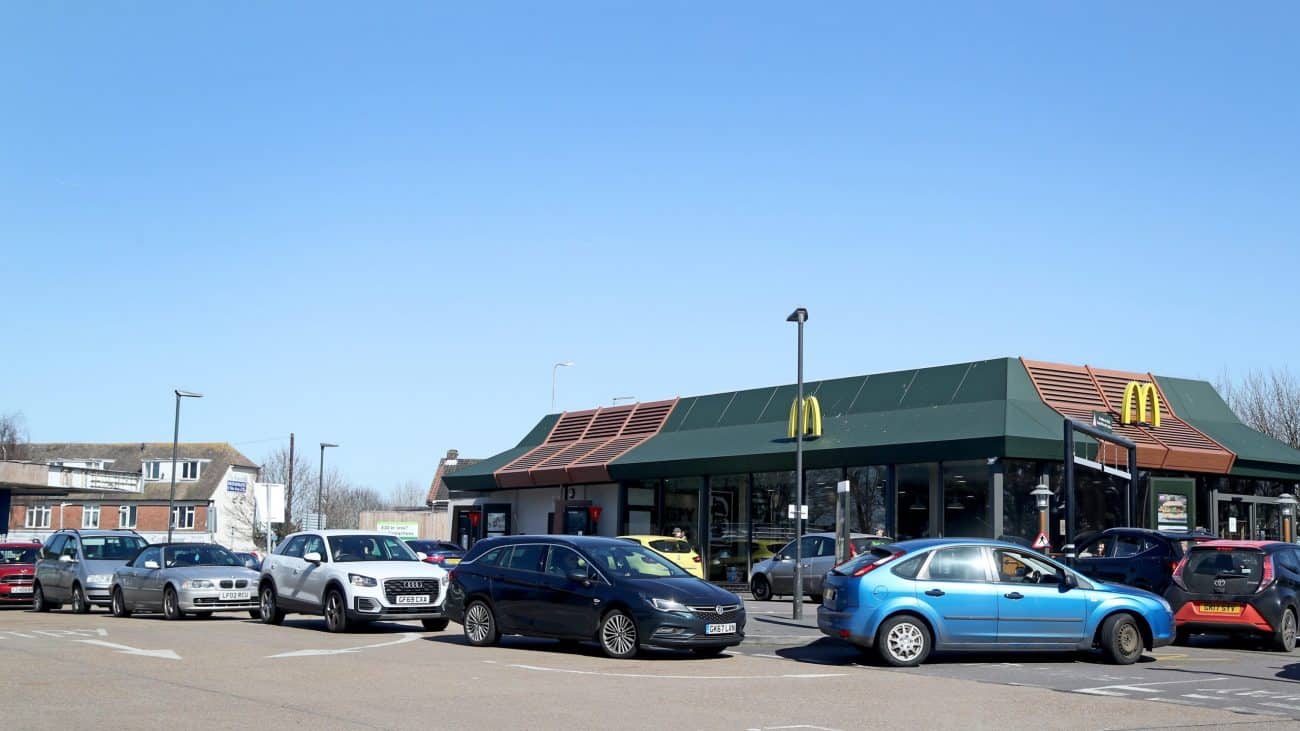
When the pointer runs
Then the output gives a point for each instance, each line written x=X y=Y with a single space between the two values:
x=480 y=624
x=79 y=603
x=435 y=625
x=1182 y=636
x=336 y=612
x=1121 y=640
x=38 y=600
x=1284 y=638
x=761 y=589
x=707 y=651
x=119 y=604
x=618 y=635
x=269 y=613
x=172 y=604
x=903 y=641
x=255 y=613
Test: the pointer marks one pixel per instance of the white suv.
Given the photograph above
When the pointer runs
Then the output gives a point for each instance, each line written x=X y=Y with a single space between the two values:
x=351 y=577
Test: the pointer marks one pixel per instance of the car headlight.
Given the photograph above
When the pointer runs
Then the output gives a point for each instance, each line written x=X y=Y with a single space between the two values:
x=99 y=579
x=359 y=580
x=197 y=584
x=668 y=605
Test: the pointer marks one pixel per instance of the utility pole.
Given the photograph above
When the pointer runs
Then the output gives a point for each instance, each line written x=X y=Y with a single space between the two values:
x=799 y=316
x=288 y=490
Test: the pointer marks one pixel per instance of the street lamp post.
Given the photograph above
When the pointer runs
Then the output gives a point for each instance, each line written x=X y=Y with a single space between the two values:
x=320 y=485
x=1288 y=503
x=176 y=435
x=1042 y=498
x=555 y=369
x=799 y=316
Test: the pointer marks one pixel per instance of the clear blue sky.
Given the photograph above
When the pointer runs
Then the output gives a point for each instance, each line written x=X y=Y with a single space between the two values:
x=382 y=227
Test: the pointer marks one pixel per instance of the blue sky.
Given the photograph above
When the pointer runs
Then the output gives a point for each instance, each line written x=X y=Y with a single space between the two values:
x=382 y=228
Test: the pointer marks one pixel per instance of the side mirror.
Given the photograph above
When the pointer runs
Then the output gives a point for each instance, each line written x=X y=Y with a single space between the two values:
x=580 y=577
x=251 y=563
x=422 y=555
x=780 y=557
x=312 y=557
x=65 y=558
x=1066 y=580
x=151 y=565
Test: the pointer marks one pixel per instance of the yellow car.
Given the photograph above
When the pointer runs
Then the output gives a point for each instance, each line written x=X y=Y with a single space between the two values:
x=674 y=549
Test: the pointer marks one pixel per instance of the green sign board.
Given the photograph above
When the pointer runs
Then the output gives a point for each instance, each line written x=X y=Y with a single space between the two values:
x=1173 y=503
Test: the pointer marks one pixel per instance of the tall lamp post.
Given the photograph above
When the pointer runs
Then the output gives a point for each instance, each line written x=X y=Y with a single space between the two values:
x=176 y=435
x=1042 y=498
x=320 y=485
x=799 y=316
x=1288 y=503
x=555 y=369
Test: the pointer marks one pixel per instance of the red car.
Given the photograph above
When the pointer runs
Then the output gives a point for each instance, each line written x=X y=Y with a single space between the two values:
x=17 y=564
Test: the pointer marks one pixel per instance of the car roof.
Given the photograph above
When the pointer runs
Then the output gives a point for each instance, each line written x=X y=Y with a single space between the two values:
x=653 y=537
x=1227 y=543
x=576 y=541
x=921 y=544
x=96 y=532
x=341 y=532
x=1179 y=535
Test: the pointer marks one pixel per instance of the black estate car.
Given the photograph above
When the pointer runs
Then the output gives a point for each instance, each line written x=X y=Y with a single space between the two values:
x=616 y=593
x=1138 y=557
x=1240 y=588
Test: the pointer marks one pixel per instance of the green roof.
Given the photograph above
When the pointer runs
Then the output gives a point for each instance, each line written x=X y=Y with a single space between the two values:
x=1258 y=455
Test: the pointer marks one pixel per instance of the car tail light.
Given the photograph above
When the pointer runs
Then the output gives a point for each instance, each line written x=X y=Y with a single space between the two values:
x=1267 y=581
x=877 y=563
x=436 y=558
x=852 y=551
x=1178 y=571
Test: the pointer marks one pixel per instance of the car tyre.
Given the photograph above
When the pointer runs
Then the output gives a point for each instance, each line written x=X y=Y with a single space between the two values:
x=761 y=589
x=269 y=613
x=1182 y=636
x=903 y=641
x=1121 y=640
x=435 y=625
x=79 y=603
x=118 y=604
x=172 y=605
x=336 y=612
x=480 y=624
x=38 y=600
x=618 y=636
x=255 y=613
x=708 y=651
x=1284 y=638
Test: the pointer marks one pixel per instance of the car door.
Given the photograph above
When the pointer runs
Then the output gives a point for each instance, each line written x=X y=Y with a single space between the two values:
x=1142 y=561
x=955 y=584
x=782 y=572
x=1032 y=607
x=48 y=567
x=309 y=579
x=568 y=607
x=820 y=560
x=517 y=586
x=68 y=567
x=286 y=565
x=146 y=585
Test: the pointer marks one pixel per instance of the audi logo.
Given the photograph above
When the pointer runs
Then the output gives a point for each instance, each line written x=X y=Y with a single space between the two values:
x=413 y=584
x=1220 y=583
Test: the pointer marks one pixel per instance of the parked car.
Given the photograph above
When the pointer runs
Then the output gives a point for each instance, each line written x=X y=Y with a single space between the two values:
x=775 y=576
x=441 y=553
x=184 y=578
x=1238 y=587
x=908 y=599
x=677 y=550
x=1135 y=556
x=76 y=566
x=351 y=577
x=619 y=594
x=17 y=565
x=249 y=559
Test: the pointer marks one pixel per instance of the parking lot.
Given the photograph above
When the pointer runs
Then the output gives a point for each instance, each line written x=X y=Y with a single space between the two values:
x=229 y=672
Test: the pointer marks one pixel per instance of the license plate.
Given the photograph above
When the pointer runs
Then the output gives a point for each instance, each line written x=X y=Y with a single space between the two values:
x=1219 y=608
x=20 y=590
x=234 y=596
x=720 y=629
x=413 y=599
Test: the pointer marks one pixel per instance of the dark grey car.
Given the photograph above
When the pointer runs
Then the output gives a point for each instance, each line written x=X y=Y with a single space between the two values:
x=76 y=567
x=775 y=576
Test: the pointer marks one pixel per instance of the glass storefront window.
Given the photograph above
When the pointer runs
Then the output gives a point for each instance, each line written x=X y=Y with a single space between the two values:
x=867 y=503
x=913 y=507
x=681 y=508
x=642 y=508
x=967 y=509
x=1019 y=509
x=772 y=493
x=729 y=543
x=819 y=494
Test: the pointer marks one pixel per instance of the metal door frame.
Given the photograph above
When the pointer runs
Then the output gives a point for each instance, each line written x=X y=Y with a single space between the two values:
x=1253 y=500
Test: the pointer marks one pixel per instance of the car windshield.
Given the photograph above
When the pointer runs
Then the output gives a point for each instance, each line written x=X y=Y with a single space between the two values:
x=671 y=546
x=18 y=555
x=199 y=555
x=631 y=561
x=369 y=548
x=111 y=548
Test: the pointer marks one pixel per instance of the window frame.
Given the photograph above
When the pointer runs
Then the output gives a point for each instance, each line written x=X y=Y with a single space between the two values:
x=191 y=513
x=188 y=465
x=541 y=560
x=128 y=510
x=41 y=509
x=151 y=470
x=86 y=512
x=985 y=562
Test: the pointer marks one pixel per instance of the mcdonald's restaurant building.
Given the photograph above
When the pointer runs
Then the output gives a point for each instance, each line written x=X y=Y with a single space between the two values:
x=953 y=450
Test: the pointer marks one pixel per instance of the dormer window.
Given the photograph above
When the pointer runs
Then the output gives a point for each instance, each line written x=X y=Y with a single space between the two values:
x=153 y=471
x=189 y=470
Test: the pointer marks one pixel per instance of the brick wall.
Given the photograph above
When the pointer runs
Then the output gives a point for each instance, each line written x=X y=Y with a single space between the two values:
x=151 y=518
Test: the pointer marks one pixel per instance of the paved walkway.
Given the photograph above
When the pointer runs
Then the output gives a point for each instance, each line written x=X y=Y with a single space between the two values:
x=770 y=623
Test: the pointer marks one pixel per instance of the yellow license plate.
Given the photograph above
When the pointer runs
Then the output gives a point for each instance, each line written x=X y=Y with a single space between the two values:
x=1219 y=608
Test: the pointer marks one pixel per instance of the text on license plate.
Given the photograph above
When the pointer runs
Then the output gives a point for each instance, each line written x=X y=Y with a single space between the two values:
x=1219 y=608
x=234 y=596
x=413 y=599
x=728 y=628
x=20 y=590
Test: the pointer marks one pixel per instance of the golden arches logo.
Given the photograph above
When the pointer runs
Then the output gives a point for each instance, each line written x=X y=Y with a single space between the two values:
x=812 y=418
x=1141 y=394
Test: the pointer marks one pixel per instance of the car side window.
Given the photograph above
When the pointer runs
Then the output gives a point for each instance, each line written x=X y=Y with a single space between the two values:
x=959 y=563
x=1022 y=567
x=1287 y=558
x=54 y=547
x=70 y=548
x=149 y=554
x=909 y=567
x=562 y=562
x=825 y=547
x=527 y=558
x=1126 y=546
x=313 y=543
x=493 y=557
x=787 y=550
x=294 y=547
x=1095 y=548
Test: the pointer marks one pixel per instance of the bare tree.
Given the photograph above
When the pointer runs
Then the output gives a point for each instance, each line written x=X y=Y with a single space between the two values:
x=275 y=468
x=13 y=436
x=1266 y=401
x=409 y=494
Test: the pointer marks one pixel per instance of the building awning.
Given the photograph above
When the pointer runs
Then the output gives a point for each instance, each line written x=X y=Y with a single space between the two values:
x=1258 y=455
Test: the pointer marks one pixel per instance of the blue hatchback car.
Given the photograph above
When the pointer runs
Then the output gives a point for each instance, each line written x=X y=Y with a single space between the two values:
x=907 y=599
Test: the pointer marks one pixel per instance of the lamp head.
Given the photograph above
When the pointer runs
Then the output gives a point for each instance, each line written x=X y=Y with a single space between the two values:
x=187 y=394
x=799 y=315
x=327 y=444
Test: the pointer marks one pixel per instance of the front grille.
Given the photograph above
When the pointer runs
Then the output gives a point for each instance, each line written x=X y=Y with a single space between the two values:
x=24 y=580
x=729 y=613
x=394 y=588
x=234 y=583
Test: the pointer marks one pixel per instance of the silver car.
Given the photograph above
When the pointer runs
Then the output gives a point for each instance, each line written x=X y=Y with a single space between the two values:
x=184 y=578
x=76 y=567
x=775 y=576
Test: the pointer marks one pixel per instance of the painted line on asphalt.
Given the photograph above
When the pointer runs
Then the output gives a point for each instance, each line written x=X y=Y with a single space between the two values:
x=1140 y=687
x=539 y=668
x=404 y=638
x=128 y=650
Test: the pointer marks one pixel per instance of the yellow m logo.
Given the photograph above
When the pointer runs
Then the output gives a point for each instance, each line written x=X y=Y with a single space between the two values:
x=812 y=418
x=1140 y=393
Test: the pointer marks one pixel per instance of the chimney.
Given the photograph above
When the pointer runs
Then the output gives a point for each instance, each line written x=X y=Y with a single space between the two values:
x=451 y=458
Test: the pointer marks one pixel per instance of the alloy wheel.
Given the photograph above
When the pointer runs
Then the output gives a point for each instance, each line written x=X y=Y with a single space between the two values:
x=334 y=613
x=1288 y=631
x=268 y=603
x=905 y=641
x=478 y=623
x=618 y=635
x=78 y=601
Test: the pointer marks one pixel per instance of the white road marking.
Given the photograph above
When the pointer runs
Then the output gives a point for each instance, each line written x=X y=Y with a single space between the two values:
x=1140 y=687
x=538 y=668
x=57 y=633
x=404 y=638
x=127 y=650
